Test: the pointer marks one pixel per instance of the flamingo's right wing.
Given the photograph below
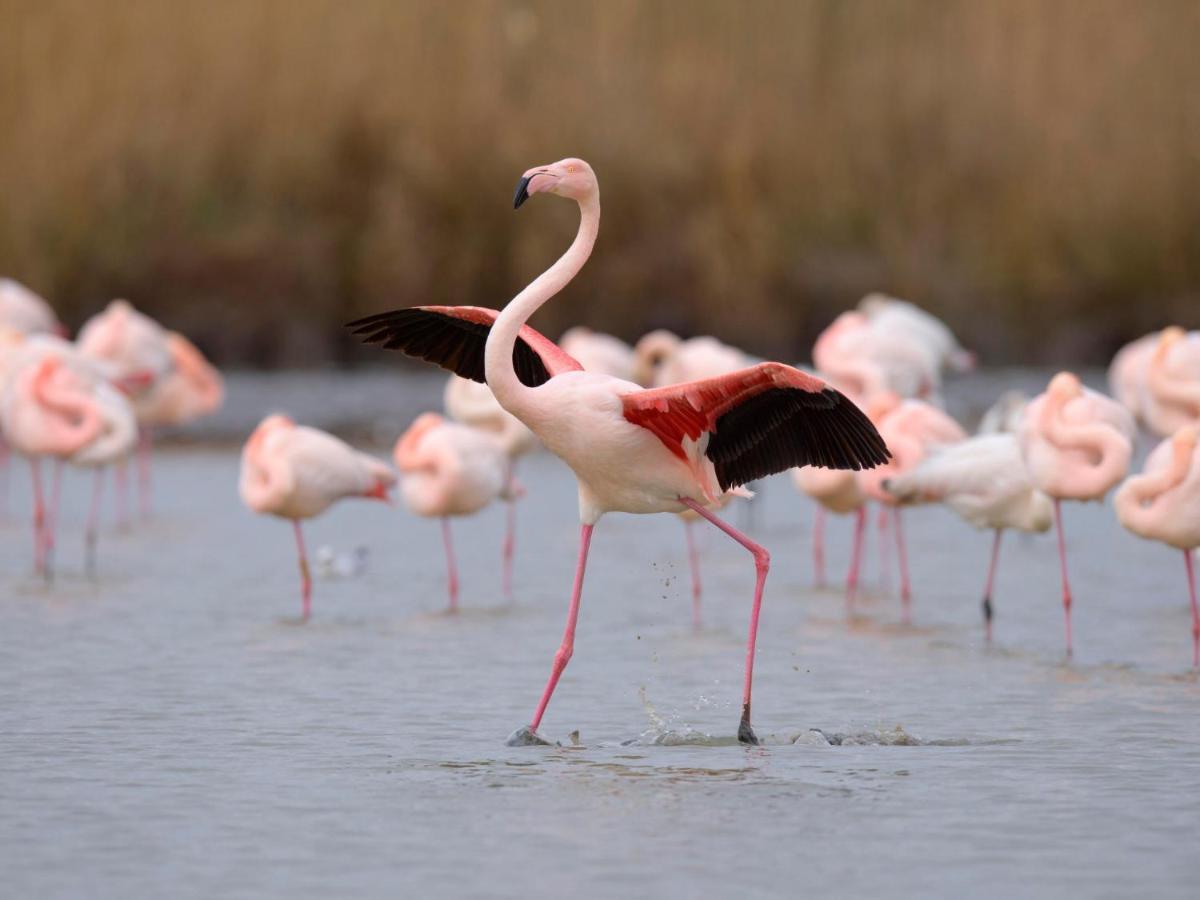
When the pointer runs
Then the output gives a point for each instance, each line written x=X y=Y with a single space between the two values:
x=454 y=338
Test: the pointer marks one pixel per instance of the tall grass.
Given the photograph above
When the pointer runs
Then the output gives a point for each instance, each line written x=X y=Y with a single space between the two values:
x=258 y=171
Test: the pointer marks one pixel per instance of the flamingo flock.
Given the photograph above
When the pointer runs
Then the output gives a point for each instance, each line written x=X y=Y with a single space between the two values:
x=668 y=425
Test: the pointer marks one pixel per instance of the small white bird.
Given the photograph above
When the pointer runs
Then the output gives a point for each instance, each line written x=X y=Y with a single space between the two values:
x=984 y=480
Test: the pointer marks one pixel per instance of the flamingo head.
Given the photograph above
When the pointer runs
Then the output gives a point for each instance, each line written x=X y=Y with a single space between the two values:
x=572 y=178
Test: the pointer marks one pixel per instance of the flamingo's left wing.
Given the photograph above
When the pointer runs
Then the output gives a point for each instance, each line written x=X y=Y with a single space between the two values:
x=454 y=338
x=760 y=421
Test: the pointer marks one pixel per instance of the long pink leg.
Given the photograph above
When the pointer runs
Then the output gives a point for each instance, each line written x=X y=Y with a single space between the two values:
x=694 y=562
x=885 y=550
x=451 y=566
x=507 y=551
x=902 y=552
x=145 y=449
x=567 y=647
x=1191 y=576
x=39 y=517
x=305 y=575
x=1062 y=561
x=121 y=478
x=818 y=541
x=92 y=532
x=856 y=555
x=762 y=564
x=48 y=536
x=987 y=589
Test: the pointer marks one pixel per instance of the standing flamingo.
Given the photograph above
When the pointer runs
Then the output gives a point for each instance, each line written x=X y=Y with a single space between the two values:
x=1077 y=444
x=913 y=429
x=895 y=316
x=984 y=480
x=632 y=450
x=1127 y=373
x=296 y=472
x=55 y=406
x=191 y=389
x=1163 y=504
x=472 y=403
x=137 y=349
x=448 y=469
x=1172 y=382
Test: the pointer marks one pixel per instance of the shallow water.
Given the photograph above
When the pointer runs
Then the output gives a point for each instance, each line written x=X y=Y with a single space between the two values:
x=170 y=729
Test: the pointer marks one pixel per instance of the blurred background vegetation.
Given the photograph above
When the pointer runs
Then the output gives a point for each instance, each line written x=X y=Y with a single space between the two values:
x=256 y=172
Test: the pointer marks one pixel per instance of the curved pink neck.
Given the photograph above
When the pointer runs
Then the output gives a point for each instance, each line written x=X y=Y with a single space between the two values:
x=1113 y=448
x=498 y=357
x=1145 y=493
x=1170 y=390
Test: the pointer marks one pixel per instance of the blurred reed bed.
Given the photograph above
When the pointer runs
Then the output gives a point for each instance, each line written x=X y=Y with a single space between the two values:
x=258 y=172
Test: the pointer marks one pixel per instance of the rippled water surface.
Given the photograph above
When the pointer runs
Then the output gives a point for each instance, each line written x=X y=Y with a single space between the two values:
x=170 y=729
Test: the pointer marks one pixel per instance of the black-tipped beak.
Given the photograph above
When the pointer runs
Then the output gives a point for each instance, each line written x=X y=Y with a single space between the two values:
x=522 y=192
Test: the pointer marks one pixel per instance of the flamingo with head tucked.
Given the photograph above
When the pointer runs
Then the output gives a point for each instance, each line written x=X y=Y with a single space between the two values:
x=449 y=469
x=632 y=450
x=1076 y=444
x=296 y=472
x=984 y=480
x=1171 y=398
x=1163 y=504
x=192 y=388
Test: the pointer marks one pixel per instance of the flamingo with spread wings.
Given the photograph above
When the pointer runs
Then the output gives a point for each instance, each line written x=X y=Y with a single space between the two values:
x=632 y=450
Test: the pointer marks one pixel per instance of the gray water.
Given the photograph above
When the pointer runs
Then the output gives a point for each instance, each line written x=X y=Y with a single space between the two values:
x=169 y=728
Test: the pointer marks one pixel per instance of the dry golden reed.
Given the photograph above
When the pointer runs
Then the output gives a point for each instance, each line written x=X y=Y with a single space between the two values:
x=259 y=171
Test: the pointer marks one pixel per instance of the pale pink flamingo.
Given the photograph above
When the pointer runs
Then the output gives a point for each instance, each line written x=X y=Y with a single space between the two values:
x=865 y=360
x=191 y=390
x=632 y=450
x=139 y=352
x=24 y=311
x=900 y=317
x=1076 y=444
x=54 y=407
x=1127 y=373
x=1172 y=382
x=598 y=352
x=1163 y=504
x=835 y=491
x=449 y=469
x=296 y=472
x=912 y=429
x=472 y=403
x=984 y=480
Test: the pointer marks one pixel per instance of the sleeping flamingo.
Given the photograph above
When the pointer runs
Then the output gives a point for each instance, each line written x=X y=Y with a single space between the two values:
x=1076 y=444
x=984 y=480
x=1127 y=373
x=632 y=450
x=1172 y=382
x=296 y=472
x=24 y=311
x=448 y=469
x=1163 y=504
x=913 y=430
x=472 y=403
x=892 y=315
x=191 y=389
x=137 y=350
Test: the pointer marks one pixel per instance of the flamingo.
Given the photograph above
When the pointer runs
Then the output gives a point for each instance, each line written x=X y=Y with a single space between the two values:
x=191 y=389
x=984 y=480
x=57 y=406
x=1172 y=382
x=912 y=429
x=1127 y=373
x=296 y=472
x=138 y=350
x=662 y=358
x=598 y=352
x=1163 y=504
x=472 y=403
x=632 y=449
x=1076 y=444
x=900 y=317
x=24 y=311
x=448 y=469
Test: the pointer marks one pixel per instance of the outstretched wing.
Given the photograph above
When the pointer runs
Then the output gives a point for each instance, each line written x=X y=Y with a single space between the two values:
x=760 y=421
x=454 y=337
